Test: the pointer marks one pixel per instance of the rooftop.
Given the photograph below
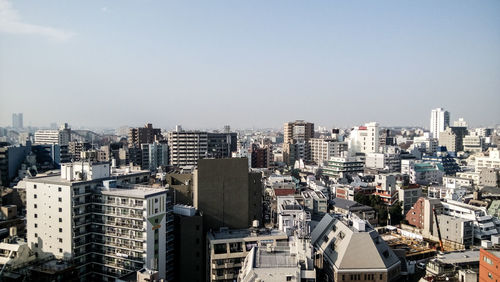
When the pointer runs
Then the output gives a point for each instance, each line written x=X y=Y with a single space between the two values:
x=225 y=234
x=458 y=257
x=136 y=191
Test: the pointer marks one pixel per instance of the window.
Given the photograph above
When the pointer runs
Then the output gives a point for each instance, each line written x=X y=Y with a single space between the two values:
x=60 y=209
x=36 y=235
x=36 y=225
x=381 y=277
x=289 y=278
x=60 y=250
x=60 y=199
x=34 y=196
x=36 y=245
x=34 y=186
x=220 y=248
x=36 y=215
x=59 y=189
x=60 y=240
x=60 y=230
x=60 y=219
x=35 y=206
x=156 y=200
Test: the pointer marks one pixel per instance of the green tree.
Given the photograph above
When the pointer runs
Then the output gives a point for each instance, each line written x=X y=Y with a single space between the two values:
x=396 y=214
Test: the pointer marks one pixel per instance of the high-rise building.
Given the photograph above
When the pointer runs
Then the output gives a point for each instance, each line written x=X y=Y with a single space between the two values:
x=143 y=135
x=365 y=139
x=17 y=120
x=452 y=138
x=59 y=137
x=154 y=155
x=226 y=193
x=323 y=149
x=296 y=141
x=298 y=129
x=187 y=147
x=261 y=157
x=99 y=219
x=189 y=247
x=440 y=119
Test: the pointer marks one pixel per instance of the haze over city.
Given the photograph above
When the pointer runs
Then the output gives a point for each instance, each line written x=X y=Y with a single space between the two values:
x=249 y=64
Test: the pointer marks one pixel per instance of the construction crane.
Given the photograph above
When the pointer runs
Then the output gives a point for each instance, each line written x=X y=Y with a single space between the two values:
x=439 y=230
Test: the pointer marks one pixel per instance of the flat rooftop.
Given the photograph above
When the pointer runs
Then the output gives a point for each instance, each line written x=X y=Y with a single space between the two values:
x=136 y=191
x=244 y=233
x=55 y=178
x=280 y=257
x=458 y=257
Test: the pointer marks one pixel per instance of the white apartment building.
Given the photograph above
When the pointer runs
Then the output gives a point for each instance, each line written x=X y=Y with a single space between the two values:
x=390 y=162
x=484 y=225
x=426 y=143
x=440 y=119
x=365 y=139
x=473 y=144
x=59 y=137
x=492 y=161
x=187 y=147
x=100 y=220
x=292 y=217
x=323 y=149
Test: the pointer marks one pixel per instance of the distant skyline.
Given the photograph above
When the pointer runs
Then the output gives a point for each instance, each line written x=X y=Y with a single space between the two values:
x=204 y=64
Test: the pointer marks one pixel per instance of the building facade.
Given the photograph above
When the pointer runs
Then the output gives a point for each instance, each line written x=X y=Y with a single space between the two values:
x=100 y=220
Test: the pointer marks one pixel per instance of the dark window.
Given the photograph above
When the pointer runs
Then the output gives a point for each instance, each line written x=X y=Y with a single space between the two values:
x=36 y=215
x=60 y=219
x=220 y=248
x=60 y=209
x=60 y=229
x=36 y=235
x=60 y=240
x=36 y=225
x=59 y=189
x=34 y=186
x=60 y=199
x=35 y=206
x=34 y=196
x=60 y=250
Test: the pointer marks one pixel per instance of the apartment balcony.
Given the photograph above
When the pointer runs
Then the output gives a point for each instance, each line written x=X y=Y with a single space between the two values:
x=217 y=277
x=118 y=214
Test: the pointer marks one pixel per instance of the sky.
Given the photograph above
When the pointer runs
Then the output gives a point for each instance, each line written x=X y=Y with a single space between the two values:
x=248 y=63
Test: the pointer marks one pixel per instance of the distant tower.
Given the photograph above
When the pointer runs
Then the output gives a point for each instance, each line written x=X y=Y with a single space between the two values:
x=227 y=129
x=17 y=120
x=440 y=119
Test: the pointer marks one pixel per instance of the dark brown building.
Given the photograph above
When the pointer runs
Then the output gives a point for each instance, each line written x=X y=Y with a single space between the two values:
x=143 y=135
x=226 y=193
x=261 y=157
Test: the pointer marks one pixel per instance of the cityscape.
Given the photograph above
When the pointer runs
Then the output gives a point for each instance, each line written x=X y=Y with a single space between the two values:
x=249 y=141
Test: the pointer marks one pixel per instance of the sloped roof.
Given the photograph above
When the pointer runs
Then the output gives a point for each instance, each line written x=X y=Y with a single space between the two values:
x=348 y=248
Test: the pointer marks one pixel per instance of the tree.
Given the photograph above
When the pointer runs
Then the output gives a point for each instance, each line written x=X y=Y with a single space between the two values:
x=396 y=213
x=362 y=199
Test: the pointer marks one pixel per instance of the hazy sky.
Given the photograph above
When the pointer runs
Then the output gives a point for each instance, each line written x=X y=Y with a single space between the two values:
x=248 y=63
